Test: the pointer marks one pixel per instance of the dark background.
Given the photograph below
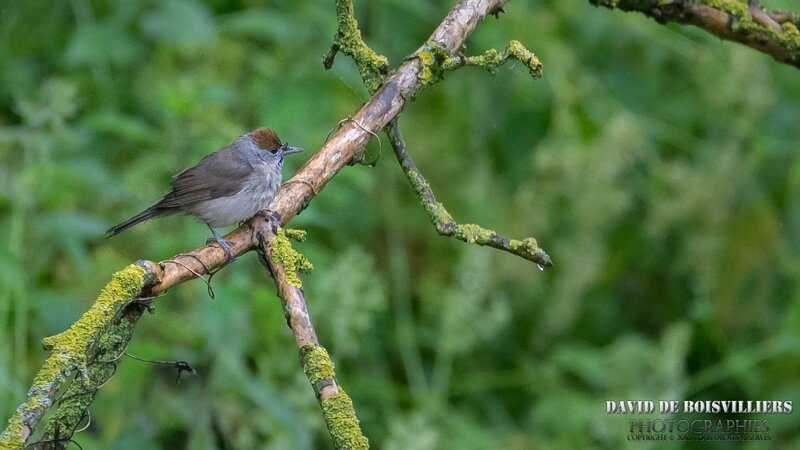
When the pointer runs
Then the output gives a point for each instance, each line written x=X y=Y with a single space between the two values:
x=657 y=165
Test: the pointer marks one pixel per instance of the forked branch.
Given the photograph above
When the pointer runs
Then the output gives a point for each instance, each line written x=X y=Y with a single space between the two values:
x=73 y=350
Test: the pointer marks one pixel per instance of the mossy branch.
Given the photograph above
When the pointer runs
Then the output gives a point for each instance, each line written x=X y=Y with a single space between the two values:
x=772 y=32
x=284 y=264
x=435 y=58
x=343 y=146
x=340 y=415
x=84 y=356
x=491 y=60
x=442 y=220
x=372 y=66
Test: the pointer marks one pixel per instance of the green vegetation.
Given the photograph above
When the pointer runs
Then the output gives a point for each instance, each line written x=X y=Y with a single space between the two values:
x=656 y=164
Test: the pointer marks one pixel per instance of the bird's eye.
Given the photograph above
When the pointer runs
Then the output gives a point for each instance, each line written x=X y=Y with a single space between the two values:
x=274 y=150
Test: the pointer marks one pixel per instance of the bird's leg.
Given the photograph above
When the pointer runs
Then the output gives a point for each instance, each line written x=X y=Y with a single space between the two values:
x=222 y=242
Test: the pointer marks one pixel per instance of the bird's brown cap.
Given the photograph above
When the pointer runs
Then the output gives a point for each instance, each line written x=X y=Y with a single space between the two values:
x=265 y=138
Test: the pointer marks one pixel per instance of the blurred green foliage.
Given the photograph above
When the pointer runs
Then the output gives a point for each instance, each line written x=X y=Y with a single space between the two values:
x=656 y=164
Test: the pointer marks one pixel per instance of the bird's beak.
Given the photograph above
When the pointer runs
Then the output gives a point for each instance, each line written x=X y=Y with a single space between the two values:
x=289 y=150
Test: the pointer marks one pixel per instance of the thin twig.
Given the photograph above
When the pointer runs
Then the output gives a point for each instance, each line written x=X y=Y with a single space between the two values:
x=443 y=221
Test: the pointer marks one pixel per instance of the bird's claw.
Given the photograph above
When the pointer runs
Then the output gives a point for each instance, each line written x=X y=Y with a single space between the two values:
x=274 y=217
x=270 y=215
x=226 y=245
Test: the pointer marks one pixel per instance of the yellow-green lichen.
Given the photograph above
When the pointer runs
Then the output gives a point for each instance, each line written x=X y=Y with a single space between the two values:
x=528 y=245
x=431 y=55
x=792 y=33
x=491 y=59
x=70 y=349
x=317 y=363
x=436 y=210
x=12 y=437
x=292 y=260
x=417 y=182
x=372 y=66
x=526 y=57
x=426 y=57
x=122 y=288
x=740 y=11
x=733 y=7
x=745 y=23
x=340 y=416
x=438 y=213
x=296 y=235
x=473 y=234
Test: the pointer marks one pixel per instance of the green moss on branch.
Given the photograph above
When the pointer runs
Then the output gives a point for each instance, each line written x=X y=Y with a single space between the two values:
x=372 y=66
x=771 y=32
x=292 y=260
x=340 y=416
x=317 y=363
x=70 y=352
x=491 y=60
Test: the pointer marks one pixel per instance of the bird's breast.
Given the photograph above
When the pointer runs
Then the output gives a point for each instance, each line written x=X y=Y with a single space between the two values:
x=255 y=195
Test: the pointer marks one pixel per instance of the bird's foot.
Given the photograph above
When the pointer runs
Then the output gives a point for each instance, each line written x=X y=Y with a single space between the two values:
x=270 y=214
x=226 y=245
x=273 y=216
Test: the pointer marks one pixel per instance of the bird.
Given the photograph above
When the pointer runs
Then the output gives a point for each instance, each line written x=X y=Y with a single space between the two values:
x=227 y=186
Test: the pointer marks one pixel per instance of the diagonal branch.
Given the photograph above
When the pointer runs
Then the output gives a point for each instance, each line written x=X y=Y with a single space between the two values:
x=772 y=32
x=344 y=146
x=283 y=263
x=491 y=59
x=84 y=356
x=443 y=221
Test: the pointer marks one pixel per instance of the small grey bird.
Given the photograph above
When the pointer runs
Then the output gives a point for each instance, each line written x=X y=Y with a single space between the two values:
x=226 y=187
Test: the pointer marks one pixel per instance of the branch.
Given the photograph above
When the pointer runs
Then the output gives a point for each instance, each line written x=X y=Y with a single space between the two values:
x=372 y=67
x=443 y=221
x=344 y=146
x=491 y=60
x=772 y=32
x=78 y=348
x=84 y=355
x=283 y=263
x=436 y=59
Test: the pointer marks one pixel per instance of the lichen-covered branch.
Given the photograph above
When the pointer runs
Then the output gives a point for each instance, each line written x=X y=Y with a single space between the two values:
x=284 y=264
x=436 y=57
x=784 y=16
x=445 y=225
x=73 y=350
x=83 y=355
x=372 y=66
x=344 y=145
x=491 y=59
x=772 y=32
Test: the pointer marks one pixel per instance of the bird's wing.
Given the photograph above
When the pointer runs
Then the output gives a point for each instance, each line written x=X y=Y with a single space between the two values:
x=220 y=174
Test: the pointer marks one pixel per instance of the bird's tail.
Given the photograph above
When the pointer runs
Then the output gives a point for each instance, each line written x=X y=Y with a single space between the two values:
x=148 y=213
